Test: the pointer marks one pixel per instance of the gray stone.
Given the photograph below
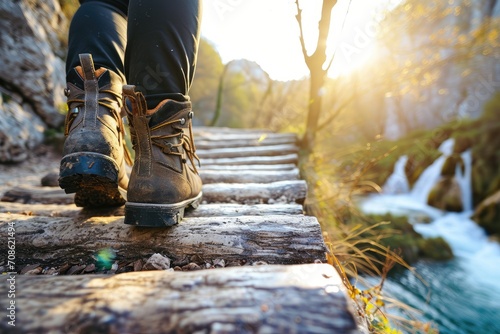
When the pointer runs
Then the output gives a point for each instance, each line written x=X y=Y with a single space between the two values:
x=30 y=34
x=21 y=130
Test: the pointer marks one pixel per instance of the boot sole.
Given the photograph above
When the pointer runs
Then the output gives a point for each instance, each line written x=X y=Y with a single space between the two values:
x=93 y=177
x=158 y=215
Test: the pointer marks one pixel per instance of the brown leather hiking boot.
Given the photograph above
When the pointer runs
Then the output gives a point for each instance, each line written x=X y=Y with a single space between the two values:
x=162 y=183
x=93 y=164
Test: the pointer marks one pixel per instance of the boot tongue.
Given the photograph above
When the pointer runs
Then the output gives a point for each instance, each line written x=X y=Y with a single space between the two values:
x=104 y=77
x=167 y=110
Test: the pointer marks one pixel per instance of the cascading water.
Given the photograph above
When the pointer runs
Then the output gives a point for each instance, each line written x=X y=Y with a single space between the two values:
x=431 y=175
x=464 y=292
x=397 y=183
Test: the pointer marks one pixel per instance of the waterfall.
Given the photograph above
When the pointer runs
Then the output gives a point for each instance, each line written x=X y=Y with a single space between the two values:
x=431 y=175
x=397 y=183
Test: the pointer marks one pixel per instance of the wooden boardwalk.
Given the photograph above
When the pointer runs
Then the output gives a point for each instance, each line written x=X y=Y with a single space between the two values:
x=246 y=261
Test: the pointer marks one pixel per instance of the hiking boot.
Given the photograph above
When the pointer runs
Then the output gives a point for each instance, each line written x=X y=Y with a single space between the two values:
x=164 y=180
x=94 y=154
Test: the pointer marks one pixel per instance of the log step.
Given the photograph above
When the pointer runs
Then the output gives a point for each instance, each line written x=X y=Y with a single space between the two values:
x=237 y=152
x=277 y=239
x=262 y=299
x=247 y=176
x=252 y=160
x=250 y=193
x=204 y=210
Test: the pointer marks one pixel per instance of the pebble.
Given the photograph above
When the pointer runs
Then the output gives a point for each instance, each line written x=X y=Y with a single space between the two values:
x=191 y=266
x=29 y=268
x=157 y=262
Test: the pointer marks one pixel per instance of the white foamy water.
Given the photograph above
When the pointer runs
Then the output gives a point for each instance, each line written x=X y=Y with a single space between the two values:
x=466 y=288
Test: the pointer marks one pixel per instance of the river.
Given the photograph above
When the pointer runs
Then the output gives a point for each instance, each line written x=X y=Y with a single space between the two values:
x=460 y=296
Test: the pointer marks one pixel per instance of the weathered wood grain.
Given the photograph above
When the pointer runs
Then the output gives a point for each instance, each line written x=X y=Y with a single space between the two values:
x=248 y=176
x=256 y=193
x=249 y=193
x=244 y=168
x=204 y=210
x=252 y=160
x=237 y=152
x=278 y=239
x=234 y=141
x=32 y=194
x=260 y=299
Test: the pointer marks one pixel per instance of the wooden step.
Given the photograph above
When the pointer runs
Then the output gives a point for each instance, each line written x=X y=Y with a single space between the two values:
x=275 y=239
x=204 y=210
x=294 y=191
x=252 y=160
x=247 y=176
x=260 y=299
x=238 y=152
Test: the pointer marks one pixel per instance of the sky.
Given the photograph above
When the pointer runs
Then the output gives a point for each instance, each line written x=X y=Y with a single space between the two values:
x=266 y=31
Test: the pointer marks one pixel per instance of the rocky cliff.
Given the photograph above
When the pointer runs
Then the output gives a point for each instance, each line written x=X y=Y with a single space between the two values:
x=32 y=74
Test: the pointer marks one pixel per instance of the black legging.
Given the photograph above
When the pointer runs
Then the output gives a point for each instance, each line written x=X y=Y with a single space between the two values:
x=156 y=50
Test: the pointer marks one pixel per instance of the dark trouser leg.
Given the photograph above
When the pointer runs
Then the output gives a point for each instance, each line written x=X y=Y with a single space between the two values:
x=162 y=46
x=99 y=28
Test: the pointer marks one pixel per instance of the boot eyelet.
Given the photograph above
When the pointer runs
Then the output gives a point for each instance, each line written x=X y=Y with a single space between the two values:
x=190 y=115
x=183 y=121
x=67 y=91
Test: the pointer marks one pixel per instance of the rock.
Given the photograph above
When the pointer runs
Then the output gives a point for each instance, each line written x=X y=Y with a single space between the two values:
x=219 y=263
x=89 y=269
x=29 y=268
x=50 y=180
x=157 y=262
x=191 y=266
x=487 y=214
x=31 y=31
x=138 y=265
x=21 y=130
x=446 y=195
x=76 y=270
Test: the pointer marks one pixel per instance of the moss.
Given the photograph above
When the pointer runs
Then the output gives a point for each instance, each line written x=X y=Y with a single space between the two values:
x=401 y=237
x=435 y=249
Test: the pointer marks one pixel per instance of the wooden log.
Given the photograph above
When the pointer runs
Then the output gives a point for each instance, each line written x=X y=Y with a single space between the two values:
x=248 y=193
x=252 y=160
x=237 y=152
x=249 y=176
x=234 y=210
x=225 y=130
x=259 y=299
x=274 y=239
x=256 y=193
x=208 y=143
x=44 y=195
x=244 y=168
x=204 y=210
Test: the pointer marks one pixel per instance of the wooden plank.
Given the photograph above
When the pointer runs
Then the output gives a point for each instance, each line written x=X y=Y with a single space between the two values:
x=259 y=299
x=237 y=152
x=244 y=168
x=249 y=176
x=33 y=194
x=224 y=143
x=252 y=160
x=256 y=193
x=248 y=193
x=204 y=210
x=274 y=239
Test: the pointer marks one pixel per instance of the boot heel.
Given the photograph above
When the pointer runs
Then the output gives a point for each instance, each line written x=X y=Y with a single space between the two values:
x=93 y=177
x=158 y=215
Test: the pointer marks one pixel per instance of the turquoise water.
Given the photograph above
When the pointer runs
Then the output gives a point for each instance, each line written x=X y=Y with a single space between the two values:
x=454 y=304
x=461 y=296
